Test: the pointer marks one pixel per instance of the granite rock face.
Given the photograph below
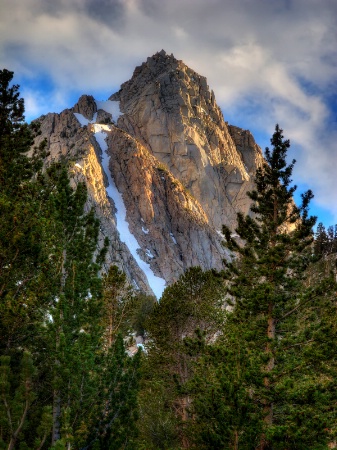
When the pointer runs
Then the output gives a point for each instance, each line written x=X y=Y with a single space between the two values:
x=181 y=170
x=171 y=111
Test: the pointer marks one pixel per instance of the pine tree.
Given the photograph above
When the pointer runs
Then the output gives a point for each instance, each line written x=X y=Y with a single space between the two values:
x=334 y=248
x=22 y=255
x=21 y=251
x=15 y=407
x=268 y=382
x=118 y=302
x=59 y=384
x=73 y=320
x=269 y=320
x=191 y=304
x=116 y=426
x=16 y=137
x=325 y=240
x=321 y=240
x=222 y=413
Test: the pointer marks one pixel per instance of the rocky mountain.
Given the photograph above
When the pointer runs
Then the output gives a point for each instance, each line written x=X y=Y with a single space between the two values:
x=163 y=169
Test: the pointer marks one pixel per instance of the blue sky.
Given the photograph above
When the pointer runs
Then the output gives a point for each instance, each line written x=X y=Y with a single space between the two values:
x=268 y=62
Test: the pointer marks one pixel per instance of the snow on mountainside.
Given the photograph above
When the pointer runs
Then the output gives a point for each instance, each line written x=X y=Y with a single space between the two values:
x=163 y=170
x=157 y=284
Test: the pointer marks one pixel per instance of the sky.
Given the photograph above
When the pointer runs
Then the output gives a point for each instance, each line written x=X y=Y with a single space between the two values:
x=268 y=62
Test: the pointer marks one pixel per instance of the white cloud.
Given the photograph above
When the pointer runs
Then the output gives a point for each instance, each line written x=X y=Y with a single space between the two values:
x=266 y=61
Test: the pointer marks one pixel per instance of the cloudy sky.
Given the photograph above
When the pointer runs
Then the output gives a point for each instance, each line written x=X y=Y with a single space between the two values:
x=268 y=62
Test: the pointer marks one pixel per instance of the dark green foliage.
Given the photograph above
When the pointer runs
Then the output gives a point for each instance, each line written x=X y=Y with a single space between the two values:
x=118 y=303
x=22 y=256
x=15 y=401
x=73 y=319
x=159 y=428
x=224 y=417
x=279 y=391
x=325 y=241
x=59 y=383
x=21 y=251
x=321 y=240
x=192 y=303
x=143 y=308
x=117 y=399
x=16 y=137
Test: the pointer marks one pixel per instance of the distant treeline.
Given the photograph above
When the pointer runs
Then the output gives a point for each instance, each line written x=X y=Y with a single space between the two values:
x=325 y=240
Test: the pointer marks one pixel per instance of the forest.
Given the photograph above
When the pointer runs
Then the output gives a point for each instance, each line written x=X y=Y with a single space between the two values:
x=241 y=359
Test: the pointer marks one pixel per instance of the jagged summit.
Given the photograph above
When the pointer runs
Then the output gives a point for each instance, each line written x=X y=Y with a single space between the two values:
x=150 y=70
x=160 y=151
x=170 y=77
x=86 y=106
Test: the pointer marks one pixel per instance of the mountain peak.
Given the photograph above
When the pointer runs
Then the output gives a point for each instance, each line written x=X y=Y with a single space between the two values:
x=170 y=169
x=149 y=71
x=173 y=82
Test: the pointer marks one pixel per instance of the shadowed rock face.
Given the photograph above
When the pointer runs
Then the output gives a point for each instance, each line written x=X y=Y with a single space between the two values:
x=182 y=171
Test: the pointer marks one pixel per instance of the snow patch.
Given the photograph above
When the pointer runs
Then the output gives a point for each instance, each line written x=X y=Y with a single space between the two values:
x=111 y=107
x=83 y=120
x=145 y=231
x=49 y=318
x=157 y=284
x=233 y=235
x=149 y=254
x=173 y=239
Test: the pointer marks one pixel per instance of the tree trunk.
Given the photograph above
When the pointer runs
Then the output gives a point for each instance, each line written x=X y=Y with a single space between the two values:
x=56 y=435
x=270 y=365
x=236 y=440
x=15 y=435
x=268 y=406
x=183 y=412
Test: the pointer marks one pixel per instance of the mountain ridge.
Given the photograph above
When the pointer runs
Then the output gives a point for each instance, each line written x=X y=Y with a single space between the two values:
x=180 y=169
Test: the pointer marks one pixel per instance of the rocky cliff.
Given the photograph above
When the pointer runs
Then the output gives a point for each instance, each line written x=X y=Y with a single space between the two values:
x=163 y=169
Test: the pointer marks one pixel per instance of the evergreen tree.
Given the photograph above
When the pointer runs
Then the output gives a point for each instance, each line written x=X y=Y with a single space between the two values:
x=321 y=240
x=84 y=392
x=325 y=240
x=118 y=302
x=16 y=137
x=22 y=256
x=284 y=370
x=222 y=413
x=73 y=319
x=116 y=424
x=192 y=303
x=21 y=251
x=334 y=245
